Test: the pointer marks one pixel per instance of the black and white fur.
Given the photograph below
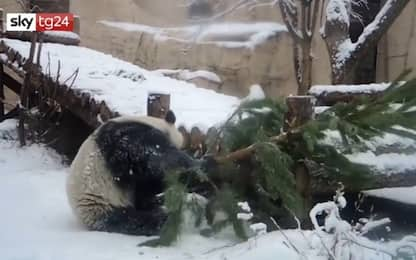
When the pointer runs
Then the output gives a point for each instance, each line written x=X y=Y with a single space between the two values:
x=119 y=170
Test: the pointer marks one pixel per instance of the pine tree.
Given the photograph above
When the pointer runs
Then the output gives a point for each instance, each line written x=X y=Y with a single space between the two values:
x=257 y=158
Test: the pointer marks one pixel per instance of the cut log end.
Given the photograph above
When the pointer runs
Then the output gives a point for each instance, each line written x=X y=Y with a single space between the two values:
x=158 y=105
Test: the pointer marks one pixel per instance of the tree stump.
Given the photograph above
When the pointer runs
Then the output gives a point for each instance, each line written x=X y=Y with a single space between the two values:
x=300 y=110
x=158 y=105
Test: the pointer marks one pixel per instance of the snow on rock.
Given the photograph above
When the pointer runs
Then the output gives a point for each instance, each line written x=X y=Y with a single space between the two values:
x=189 y=75
x=363 y=88
x=320 y=109
x=125 y=87
x=244 y=206
x=255 y=93
x=228 y=35
x=259 y=228
x=244 y=216
x=405 y=195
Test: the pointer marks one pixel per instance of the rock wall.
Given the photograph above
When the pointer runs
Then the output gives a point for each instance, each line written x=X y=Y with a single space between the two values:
x=10 y=6
x=395 y=52
x=269 y=64
x=397 y=49
x=238 y=67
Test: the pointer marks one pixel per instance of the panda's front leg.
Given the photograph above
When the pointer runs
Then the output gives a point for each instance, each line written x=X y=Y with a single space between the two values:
x=131 y=221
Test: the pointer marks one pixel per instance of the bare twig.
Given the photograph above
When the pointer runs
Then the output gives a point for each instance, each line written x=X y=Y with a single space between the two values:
x=285 y=236
x=73 y=76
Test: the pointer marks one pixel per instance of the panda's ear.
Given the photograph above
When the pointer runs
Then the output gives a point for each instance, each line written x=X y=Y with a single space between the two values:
x=170 y=117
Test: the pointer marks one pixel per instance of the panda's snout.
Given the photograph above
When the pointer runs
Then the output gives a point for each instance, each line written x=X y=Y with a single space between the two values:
x=175 y=160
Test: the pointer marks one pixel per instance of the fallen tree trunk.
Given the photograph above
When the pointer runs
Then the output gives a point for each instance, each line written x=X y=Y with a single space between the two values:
x=64 y=38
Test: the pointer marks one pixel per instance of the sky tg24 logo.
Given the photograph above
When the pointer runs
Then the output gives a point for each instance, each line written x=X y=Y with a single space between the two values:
x=39 y=22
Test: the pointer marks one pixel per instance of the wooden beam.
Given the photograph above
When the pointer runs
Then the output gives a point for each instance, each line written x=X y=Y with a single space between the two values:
x=158 y=105
x=26 y=36
x=11 y=83
x=2 y=97
x=330 y=99
x=1 y=21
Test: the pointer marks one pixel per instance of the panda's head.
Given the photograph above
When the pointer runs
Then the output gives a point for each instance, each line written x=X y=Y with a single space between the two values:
x=165 y=125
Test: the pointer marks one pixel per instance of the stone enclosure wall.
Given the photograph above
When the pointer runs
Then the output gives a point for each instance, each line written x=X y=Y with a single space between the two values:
x=270 y=64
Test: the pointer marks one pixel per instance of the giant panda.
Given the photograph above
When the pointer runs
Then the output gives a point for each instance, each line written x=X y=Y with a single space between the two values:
x=119 y=170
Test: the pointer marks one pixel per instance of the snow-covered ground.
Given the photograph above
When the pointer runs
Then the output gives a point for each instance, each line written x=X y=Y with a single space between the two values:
x=125 y=87
x=37 y=222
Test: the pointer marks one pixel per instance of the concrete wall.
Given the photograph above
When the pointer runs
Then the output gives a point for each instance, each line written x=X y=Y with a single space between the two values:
x=135 y=46
x=397 y=49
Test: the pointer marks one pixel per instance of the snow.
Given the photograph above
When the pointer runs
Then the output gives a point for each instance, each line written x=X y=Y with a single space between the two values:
x=244 y=206
x=320 y=109
x=255 y=93
x=38 y=224
x=244 y=216
x=125 y=87
x=383 y=163
x=361 y=88
x=405 y=195
x=259 y=228
x=63 y=34
x=370 y=225
x=388 y=163
x=338 y=10
x=190 y=75
x=228 y=35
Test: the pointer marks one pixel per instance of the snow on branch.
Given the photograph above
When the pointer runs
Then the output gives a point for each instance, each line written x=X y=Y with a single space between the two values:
x=343 y=52
x=342 y=241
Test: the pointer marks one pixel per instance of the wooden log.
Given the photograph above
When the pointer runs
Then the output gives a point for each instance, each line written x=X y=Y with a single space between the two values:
x=212 y=141
x=300 y=110
x=11 y=55
x=2 y=97
x=158 y=105
x=85 y=98
x=105 y=112
x=197 y=142
x=11 y=83
x=26 y=36
x=186 y=137
x=330 y=99
x=2 y=29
